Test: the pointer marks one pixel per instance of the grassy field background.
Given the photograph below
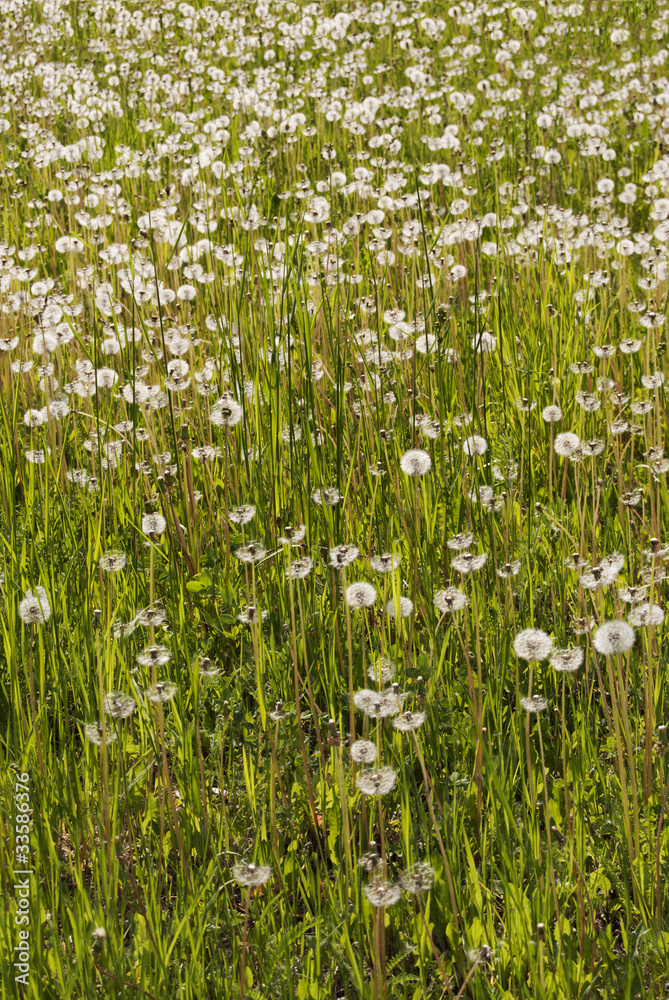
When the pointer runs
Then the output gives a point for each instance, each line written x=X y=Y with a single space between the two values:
x=333 y=500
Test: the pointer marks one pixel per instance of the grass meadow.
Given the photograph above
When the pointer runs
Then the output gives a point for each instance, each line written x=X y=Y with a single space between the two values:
x=333 y=500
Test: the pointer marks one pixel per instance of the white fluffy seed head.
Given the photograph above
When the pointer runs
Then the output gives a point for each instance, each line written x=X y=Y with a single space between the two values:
x=532 y=644
x=360 y=595
x=613 y=638
x=415 y=462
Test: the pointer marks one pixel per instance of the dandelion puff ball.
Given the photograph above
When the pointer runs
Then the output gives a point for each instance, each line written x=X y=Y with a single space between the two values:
x=646 y=614
x=415 y=462
x=566 y=444
x=360 y=595
x=475 y=445
x=363 y=752
x=382 y=893
x=534 y=704
x=551 y=414
x=35 y=609
x=405 y=607
x=613 y=638
x=533 y=644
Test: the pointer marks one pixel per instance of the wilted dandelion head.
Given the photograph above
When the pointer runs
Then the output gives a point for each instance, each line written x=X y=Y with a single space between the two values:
x=360 y=595
x=415 y=462
x=567 y=661
x=646 y=614
x=242 y=515
x=154 y=656
x=95 y=733
x=250 y=875
x=420 y=878
x=385 y=563
x=161 y=691
x=532 y=644
x=35 y=609
x=450 y=600
x=378 y=781
x=112 y=562
x=300 y=568
x=381 y=893
x=343 y=555
x=119 y=705
x=534 y=704
x=363 y=752
x=613 y=638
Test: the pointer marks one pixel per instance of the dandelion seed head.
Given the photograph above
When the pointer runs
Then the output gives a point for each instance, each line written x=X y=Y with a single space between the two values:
x=614 y=638
x=251 y=553
x=566 y=444
x=409 y=722
x=385 y=563
x=250 y=875
x=464 y=540
x=468 y=562
x=299 y=569
x=378 y=781
x=35 y=609
x=450 y=600
x=534 y=703
x=153 y=524
x=119 y=705
x=343 y=555
x=567 y=661
x=646 y=614
x=381 y=894
x=96 y=734
x=533 y=644
x=377 y=704
x=112 y=561
x=415 y=462
x=154 y=656
x=161 y=692
x=363 y=752
x=293 y=535
x=420 y=878
x=475 y=445
x=242 y=515
x=361 y=595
